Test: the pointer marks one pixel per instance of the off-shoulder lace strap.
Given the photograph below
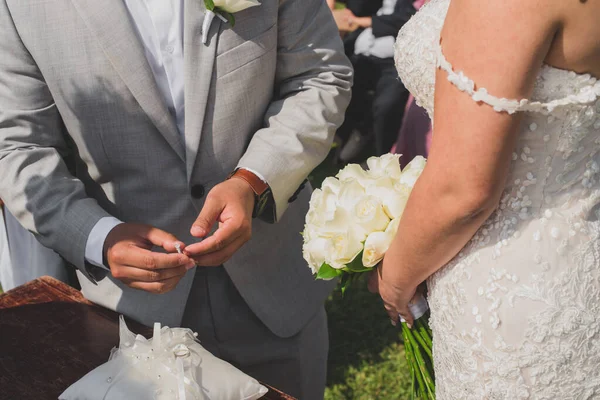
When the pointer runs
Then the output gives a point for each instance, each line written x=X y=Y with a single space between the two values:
x=586 y=95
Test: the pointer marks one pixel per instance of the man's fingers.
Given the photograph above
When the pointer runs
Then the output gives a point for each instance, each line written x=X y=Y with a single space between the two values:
x=217 y=258
x=137 y=257
x=129 y=274
x=163 y=239
x=223 y=237
x=156 y=287
x=207 y=218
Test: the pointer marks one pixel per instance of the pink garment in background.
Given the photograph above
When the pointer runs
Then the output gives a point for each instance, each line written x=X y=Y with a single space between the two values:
x=414 y=137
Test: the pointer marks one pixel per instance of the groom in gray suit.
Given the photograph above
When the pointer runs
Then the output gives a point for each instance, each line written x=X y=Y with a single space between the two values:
x=123 y=135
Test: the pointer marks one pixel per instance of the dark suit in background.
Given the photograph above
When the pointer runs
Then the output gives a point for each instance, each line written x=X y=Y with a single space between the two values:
x=379 y=97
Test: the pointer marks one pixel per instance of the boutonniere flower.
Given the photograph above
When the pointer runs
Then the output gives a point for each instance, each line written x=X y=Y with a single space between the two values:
x=224 y=10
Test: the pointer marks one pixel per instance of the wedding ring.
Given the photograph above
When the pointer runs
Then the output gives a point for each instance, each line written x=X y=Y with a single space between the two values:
x=181 y=351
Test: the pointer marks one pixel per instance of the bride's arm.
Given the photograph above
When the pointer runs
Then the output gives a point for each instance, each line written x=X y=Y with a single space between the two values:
x=500 y=45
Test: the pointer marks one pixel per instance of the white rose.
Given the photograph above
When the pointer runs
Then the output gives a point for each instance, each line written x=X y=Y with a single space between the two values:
x=346 y=247
x=342 y=221
x=378 y=243
x=233 y=6
x=387 y=165
x=392 y=228
x=370 y=214
x=354 y=172
x=392 y=197
x=382 y=181
x=336 y=242
x=323 y=203
x=332 y=184
x=316 y=199
x=311 y=231
x=316 y=251
x=350 y=192
x=412 y=171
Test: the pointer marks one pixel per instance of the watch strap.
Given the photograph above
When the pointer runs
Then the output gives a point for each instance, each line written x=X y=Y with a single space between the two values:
x=257 y=184
x=263 y=198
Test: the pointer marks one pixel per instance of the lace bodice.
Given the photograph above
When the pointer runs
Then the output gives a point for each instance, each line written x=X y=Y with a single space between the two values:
x=516 y=315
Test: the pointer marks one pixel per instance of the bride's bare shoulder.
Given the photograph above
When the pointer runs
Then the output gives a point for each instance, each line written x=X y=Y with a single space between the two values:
x=577 y=44
x=509 y=18
x=563 y=33
x=500 y=10
x=522 y=14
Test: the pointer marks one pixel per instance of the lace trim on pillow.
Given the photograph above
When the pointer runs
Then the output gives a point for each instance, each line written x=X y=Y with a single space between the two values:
x=586 y=95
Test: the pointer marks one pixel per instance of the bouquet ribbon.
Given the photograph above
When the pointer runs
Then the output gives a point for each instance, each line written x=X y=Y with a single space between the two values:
x=418 y=307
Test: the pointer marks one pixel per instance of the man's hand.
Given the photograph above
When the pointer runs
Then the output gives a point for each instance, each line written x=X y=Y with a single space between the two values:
x=127 y=251
x=356 y=22
x=231 y=204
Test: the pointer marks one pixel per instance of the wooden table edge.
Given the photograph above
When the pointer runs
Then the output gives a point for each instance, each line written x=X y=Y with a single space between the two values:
x=69 y=294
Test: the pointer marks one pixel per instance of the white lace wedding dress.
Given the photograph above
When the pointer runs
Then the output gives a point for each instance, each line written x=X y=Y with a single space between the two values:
x=517 y=314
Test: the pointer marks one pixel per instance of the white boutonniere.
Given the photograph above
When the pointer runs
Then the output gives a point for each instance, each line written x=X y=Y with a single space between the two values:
x=224 y=10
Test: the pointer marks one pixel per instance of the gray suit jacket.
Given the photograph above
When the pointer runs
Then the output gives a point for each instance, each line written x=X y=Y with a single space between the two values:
x=267 y=94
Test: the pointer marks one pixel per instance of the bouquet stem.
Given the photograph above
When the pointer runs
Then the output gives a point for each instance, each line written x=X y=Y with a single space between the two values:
x=418 y=348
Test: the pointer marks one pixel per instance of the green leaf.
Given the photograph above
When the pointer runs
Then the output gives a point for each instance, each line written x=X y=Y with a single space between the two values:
x=346 y=283
x=230 y=18
x=210 y=5
x=328 y=272
x=348 y=279
x=356 y=266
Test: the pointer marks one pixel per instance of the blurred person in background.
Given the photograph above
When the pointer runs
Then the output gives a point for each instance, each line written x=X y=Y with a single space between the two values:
x=414 y=137
x=376 y=110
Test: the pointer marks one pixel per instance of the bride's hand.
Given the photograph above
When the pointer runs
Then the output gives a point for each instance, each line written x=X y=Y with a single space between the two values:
x=395 y=296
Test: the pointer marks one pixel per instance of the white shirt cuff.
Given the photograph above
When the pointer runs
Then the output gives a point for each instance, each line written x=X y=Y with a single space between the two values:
x=96 y=239
x=258 y=175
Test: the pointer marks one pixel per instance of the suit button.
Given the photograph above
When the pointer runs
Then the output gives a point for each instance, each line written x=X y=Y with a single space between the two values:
x=198 y=191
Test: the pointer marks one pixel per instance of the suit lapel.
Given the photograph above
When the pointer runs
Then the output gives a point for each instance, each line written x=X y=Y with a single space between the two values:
x=109 y=21
x=199 y=63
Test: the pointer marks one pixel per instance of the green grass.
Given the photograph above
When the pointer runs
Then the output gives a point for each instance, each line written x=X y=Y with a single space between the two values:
x=366 y=357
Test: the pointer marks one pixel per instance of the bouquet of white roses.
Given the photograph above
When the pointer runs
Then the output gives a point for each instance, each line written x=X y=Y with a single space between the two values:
x=351 y=223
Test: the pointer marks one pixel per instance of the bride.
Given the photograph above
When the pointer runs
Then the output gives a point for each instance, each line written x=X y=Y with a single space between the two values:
x=504 y=222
